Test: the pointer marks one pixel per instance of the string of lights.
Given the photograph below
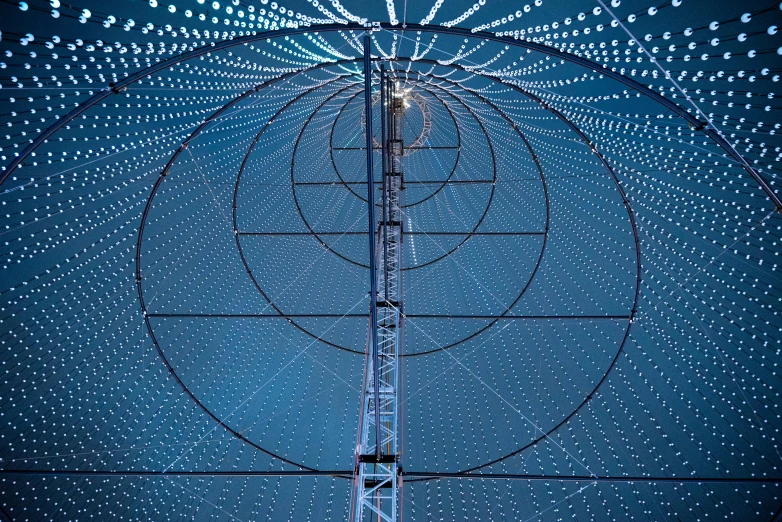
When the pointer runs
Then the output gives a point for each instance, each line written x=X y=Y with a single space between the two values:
x=590 y=221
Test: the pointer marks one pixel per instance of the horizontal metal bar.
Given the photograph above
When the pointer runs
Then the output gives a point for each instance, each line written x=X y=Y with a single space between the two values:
x=584 y=478
x=529 y=317
x=424 y=233
x=422 y=475
x=407 y=182
x=414 y=233
x=425 y=147
x=171 y=473
x=407 y=316
x=255 y=316
x=330 y=233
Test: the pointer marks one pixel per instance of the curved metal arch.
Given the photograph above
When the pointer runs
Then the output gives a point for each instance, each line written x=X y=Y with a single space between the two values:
x=257 y=285
x=162 y=176
x=545 y=235
x=236 y=235
x=431 y=62
x=293 y=187
x=574 y=128
x=307 y=332
x=430 y=262
x=346 y=184
x=537 y=264
x=453 y=170
x=193 y=135
x=534 y=98
x=525 y=44
x=16 y=162
x=139 y=287
x=236 y=228
x=635 y=235
x=631 y=217
x=455 y=161
x=493 y=186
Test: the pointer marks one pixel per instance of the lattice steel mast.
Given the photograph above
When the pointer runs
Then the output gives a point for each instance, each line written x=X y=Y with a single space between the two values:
x=376 y=478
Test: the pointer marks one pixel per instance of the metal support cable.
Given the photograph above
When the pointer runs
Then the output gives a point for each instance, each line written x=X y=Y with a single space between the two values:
x=371 y=213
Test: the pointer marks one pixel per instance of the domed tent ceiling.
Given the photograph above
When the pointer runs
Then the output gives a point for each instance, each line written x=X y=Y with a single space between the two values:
x=591 y=248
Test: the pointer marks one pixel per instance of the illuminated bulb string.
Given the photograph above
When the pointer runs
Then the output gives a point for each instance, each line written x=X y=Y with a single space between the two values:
x=528 y=349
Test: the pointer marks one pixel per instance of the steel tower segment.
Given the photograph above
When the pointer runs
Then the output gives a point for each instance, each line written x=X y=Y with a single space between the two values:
x=377 y=477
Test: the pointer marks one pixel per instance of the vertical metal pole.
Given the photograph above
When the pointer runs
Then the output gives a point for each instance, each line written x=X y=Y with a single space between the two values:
x=383 y=152
x=377 y=478
x=371 y=204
